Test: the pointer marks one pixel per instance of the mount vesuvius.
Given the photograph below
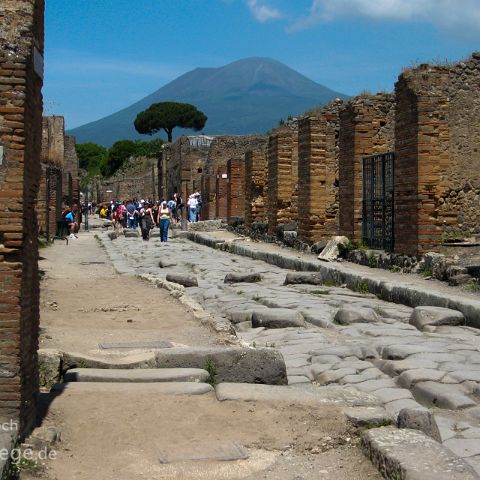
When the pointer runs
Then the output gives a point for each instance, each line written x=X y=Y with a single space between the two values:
x=247 y=96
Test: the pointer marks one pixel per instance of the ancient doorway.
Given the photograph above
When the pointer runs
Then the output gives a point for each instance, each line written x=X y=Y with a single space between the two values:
x=378 y=195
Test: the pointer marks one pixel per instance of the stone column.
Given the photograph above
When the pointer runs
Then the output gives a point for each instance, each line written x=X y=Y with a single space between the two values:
x=255 y=187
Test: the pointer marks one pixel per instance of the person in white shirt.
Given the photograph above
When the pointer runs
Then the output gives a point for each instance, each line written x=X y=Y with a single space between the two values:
x=192 y=208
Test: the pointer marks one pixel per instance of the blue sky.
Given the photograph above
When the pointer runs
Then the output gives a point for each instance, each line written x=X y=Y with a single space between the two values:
x=103 y=55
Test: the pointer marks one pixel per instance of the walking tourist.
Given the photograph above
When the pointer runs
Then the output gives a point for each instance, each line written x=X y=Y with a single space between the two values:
x=146 y=220
x=192 y=208
x=164 y=219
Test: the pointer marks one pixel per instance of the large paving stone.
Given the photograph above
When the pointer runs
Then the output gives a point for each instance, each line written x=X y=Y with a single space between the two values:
x=464 y=447
x=441 y=395
x=344 y=396
x=412 y=455
x=400 y=352
x=349 y=315
x=277 y=318
x=411 y=377
x=435 y=316
x=334 y=376
x=419 y=419
x=143 y=375
x=387 y=395
x=396 y=367
x=372 y=385
x=230 y=364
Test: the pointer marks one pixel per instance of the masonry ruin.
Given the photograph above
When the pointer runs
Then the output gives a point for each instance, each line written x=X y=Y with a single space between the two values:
x=318 y=174
x=256 y=189
x=282 y=157
x=21 y=74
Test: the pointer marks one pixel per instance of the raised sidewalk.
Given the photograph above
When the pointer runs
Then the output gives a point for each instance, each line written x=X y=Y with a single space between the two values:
x=406 y=289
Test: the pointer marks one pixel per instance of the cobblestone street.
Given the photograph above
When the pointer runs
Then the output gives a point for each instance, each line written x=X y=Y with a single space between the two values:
x=332 y=335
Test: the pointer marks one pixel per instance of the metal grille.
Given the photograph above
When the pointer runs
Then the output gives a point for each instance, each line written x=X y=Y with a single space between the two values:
x=378 y=193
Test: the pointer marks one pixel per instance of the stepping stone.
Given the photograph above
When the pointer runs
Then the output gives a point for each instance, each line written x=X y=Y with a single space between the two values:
x=442 y=396
x=160 y=388
x=409 y=454
x=277 y=318
x=143 y=375
x=435 y=316
x=231 y=364
x=134 y=345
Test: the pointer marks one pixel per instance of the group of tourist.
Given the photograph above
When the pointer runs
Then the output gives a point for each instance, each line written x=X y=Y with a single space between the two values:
x=147 y=214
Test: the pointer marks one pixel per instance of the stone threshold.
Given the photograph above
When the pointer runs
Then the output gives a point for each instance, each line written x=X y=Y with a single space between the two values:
x=396 y=291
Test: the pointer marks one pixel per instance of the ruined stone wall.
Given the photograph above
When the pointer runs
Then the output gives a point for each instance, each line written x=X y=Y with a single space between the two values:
x=255 y=187
x=459 y=202
x=52 y=180
x=282 y=177
x=127 y=184
x=185 y=164
x=221 y=150
x=367 y=127
x=21 y=51
x=236 y=188
x=318 y=174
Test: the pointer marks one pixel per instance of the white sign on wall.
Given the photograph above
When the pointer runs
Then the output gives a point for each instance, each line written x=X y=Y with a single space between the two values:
x=224 y=175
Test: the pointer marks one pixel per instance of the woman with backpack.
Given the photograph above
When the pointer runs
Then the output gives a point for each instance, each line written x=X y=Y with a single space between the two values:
x=146 y=220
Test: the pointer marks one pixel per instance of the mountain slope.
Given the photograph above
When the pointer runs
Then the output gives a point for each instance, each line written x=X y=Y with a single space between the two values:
x=243 y=97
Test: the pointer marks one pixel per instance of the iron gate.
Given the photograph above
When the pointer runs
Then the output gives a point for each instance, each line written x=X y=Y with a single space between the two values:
x=378 y=193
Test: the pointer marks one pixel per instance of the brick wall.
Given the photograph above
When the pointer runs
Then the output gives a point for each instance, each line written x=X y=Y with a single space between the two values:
x=52 y=179
x=367 y=126
x=255 y=187
x=21 y=48
x=71 y=195
x=221 y=193
x=282 y=155
x=318 y=174
x=236 y=188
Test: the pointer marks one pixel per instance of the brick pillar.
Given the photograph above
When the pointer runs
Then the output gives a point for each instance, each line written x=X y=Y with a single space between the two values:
x=421 y=148
x=221 y=193
x=281 y=179
x=236 y=188
x=366 y=128
x=318 y=175
x=255 y=187
x=21 y=63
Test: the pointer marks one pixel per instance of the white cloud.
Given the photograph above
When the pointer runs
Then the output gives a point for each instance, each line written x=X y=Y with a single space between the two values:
x=457 y=15
x=262 y=12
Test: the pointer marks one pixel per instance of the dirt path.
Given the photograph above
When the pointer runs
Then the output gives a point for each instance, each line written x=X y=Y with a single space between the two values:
x=84 y=302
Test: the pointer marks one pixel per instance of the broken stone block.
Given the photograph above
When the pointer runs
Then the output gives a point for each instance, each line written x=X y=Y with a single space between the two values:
x=349 y=315
x=334 y=249
x=277 y=318
x=319 y=246
x=461 y=279
x=185 y=280
x=130 y=233
x=242 y=278
x=166 y=264
x=435 y=316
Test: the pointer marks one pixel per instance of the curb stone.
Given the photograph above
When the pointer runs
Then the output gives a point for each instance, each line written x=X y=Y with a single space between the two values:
x=339 y=274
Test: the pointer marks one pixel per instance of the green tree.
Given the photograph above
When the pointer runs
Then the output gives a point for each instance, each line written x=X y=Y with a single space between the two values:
x=91 y=157
x=152 y=148
x=168 y=115
x=118 y=153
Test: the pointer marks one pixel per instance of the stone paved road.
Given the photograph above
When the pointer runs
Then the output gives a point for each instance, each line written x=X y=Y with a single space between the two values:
x=375 y=349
